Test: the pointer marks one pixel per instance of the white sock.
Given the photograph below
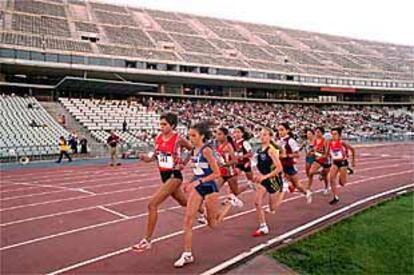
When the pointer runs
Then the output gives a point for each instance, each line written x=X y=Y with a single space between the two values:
x=263 y=225
x=187 y=254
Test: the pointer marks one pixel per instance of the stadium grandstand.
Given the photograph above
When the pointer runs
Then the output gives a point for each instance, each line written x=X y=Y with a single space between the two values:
x=103 y=65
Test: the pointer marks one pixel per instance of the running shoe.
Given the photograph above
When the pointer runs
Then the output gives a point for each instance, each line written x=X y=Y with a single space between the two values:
x=202 y=219
x=263 y=230
x=325 y=192
x=143 y=245
x=334 y=201
x=184 y=259
x=308 y=196
x=235 y=201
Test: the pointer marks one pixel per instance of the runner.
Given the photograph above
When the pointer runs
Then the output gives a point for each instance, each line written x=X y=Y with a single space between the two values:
x=290 y=153
x=322 y=159
x=307 y=145
x=244 y=154
x=268 y=179
x=227 y=161
x=202 y=188
x=338 y=151
x=168 y=147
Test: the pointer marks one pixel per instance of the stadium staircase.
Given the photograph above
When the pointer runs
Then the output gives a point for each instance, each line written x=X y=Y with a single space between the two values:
x=55 y=109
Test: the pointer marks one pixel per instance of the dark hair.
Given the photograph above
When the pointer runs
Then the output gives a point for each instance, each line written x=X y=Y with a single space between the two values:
x=226 y=132
x=246 y=135
x=171 y=118
x=310 y=130
x=285 y=125
x=203 y=128
x=338 y=129
x=288 y=129
x=320 y=128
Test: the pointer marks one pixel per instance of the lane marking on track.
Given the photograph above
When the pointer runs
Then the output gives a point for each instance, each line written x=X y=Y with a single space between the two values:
x=143 y=198
x=299 y=229
x=139 y=180
x=177 y=233
x=118 y=214
x=108 y=192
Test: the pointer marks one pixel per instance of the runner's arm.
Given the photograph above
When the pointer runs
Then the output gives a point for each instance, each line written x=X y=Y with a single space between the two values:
x=274 y=155
x=353 y=152
x=233 y=159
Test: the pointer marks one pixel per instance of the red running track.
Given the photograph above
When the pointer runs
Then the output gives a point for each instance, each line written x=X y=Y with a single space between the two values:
x=84 y=219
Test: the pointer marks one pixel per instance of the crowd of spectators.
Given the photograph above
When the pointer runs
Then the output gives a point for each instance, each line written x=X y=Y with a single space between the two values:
x=357 y=121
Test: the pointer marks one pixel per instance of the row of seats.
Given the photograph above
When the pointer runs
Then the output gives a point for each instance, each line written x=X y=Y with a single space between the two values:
x=102 y=116
x=193 y=36
x=27 y=131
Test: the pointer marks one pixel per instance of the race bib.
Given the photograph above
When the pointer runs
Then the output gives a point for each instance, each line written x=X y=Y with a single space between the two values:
x=239 y=154
x=318 y=155
x=337 y=155
x=165 y=161
x=198 y=171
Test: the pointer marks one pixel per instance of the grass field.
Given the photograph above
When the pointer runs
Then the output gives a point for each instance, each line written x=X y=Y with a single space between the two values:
x=379 y=240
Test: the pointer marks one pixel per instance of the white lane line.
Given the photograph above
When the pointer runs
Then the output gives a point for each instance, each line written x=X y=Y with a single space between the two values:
x=72 y=211
x=116 y=213
x=63 y=186
x=83 y=191
x=139 y=180
x=114 y=253
x=69 y=199
x=93 y=226
x=144 y=198
x=299 y=229
x=105 y=177
x=121 y=190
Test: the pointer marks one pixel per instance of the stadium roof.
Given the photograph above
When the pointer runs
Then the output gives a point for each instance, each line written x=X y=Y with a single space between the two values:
x=71 y=32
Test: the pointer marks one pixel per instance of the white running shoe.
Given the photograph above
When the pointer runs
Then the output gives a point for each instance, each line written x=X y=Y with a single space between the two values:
x=308 y=196
x=202 y=219
x=325 y=192
x=263 y=230
x=143 y=245
x=186 y=258
x=235 y=201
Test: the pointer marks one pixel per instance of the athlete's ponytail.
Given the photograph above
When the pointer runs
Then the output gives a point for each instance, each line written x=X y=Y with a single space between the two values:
x=229 y=139
x=203 y=128
x=246 y=134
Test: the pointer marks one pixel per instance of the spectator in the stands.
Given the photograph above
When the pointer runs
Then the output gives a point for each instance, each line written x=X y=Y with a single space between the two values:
x=62 y=119
x=33 y=123
x=113 y=141
x=84 y=145
x=73 y=142
x=30 y=105
x=124 y=126
x=64 y=148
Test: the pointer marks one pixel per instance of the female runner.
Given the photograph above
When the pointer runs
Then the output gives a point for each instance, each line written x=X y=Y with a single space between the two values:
x=168 y=147
x=290 y=153
x=269 y=180
x=338 y=151
x=202 y=188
